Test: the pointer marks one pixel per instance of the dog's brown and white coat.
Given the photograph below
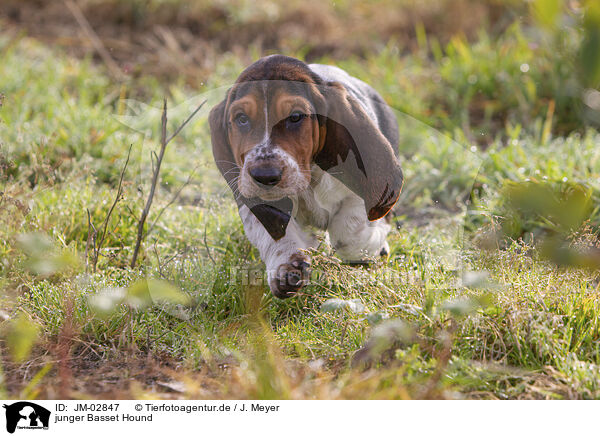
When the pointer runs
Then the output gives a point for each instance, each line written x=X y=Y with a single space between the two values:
x=307 y=146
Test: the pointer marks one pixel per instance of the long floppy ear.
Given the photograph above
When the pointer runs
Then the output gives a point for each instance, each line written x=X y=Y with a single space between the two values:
x=356 y=152
x=274 y=216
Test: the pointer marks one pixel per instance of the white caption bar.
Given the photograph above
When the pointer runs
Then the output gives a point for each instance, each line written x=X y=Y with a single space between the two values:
x=91 y=418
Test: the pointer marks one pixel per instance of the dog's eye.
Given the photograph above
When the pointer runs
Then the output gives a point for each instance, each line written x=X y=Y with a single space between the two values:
x=296 y=117
x=242 y=120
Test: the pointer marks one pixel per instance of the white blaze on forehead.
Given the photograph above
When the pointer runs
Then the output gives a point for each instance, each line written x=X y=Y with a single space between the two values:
x=266 y=110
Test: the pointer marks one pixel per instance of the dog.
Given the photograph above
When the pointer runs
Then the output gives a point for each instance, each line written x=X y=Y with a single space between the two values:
x=307 y=146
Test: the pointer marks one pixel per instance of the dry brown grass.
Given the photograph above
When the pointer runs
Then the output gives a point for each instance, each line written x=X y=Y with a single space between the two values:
x=174 y=39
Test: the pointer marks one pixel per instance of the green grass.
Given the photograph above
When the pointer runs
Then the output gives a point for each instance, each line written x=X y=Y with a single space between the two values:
x=455 y=319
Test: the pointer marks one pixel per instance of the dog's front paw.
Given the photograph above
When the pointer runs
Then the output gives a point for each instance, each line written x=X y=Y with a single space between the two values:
x=291 y=277
x=385 y=250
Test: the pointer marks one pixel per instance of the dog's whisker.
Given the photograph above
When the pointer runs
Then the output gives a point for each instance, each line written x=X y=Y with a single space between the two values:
x=231 y=171
x=227 y=161
x=234 y=168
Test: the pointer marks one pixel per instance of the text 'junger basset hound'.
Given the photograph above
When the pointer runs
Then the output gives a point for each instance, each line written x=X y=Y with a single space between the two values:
x=307 y=146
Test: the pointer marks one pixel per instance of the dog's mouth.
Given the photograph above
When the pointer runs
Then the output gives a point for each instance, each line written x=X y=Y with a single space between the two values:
x=271 y=195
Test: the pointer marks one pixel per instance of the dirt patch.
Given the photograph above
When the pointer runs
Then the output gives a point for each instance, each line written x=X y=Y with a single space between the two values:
x=121 y=377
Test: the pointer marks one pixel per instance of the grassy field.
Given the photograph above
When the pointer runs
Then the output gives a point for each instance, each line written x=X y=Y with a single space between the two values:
x=491 y=289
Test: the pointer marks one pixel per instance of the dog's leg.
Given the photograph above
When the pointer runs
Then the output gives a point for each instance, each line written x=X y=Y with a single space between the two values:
x=353 y=236
x=288 y=268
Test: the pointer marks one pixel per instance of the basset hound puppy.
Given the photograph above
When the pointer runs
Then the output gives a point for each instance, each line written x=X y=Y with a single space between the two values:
x=306 y=146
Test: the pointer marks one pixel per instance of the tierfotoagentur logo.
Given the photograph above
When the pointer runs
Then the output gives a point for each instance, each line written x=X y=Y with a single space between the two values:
x=26 y=415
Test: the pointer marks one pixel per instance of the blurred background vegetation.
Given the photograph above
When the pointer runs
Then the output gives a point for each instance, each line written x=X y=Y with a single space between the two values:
x=499 y=106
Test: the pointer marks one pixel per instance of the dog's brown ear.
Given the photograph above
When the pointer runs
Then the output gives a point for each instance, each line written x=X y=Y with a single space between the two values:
x=356 y=152
x=220 y=145
x=274 y=216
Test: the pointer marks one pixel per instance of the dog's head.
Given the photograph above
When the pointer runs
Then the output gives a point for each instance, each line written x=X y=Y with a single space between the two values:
x=277 y=120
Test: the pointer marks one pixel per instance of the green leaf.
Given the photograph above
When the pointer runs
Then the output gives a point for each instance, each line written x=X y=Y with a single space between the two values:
x=590 y=48
x=384 y=336
x=392 y=330
x=106 y=301
x=547 y=12
x=42 y=256
x=337 y=304
x=22 y=334
x=460 y=307
x=465 y=306
x=356 y=306
x=146 y=292
x=476 y=279
x=377 y=317
x=165 y=292
x=333 y=305
x=39 y=250
x=138 y=295
x=35 y=244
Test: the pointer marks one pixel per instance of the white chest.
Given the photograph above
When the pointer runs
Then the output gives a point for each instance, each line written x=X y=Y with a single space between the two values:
x=322 y=200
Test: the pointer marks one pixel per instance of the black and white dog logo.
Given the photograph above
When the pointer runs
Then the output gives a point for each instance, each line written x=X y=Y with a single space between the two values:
x=26 y=415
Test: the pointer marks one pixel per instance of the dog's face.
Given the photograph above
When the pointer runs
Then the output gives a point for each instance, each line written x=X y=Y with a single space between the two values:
x=277 y=120
x=274 y=134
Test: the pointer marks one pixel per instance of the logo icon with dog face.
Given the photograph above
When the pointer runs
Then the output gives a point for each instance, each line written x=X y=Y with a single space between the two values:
x=26 y=415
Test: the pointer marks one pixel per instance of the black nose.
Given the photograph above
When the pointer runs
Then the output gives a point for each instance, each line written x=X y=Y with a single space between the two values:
x=268 y=176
